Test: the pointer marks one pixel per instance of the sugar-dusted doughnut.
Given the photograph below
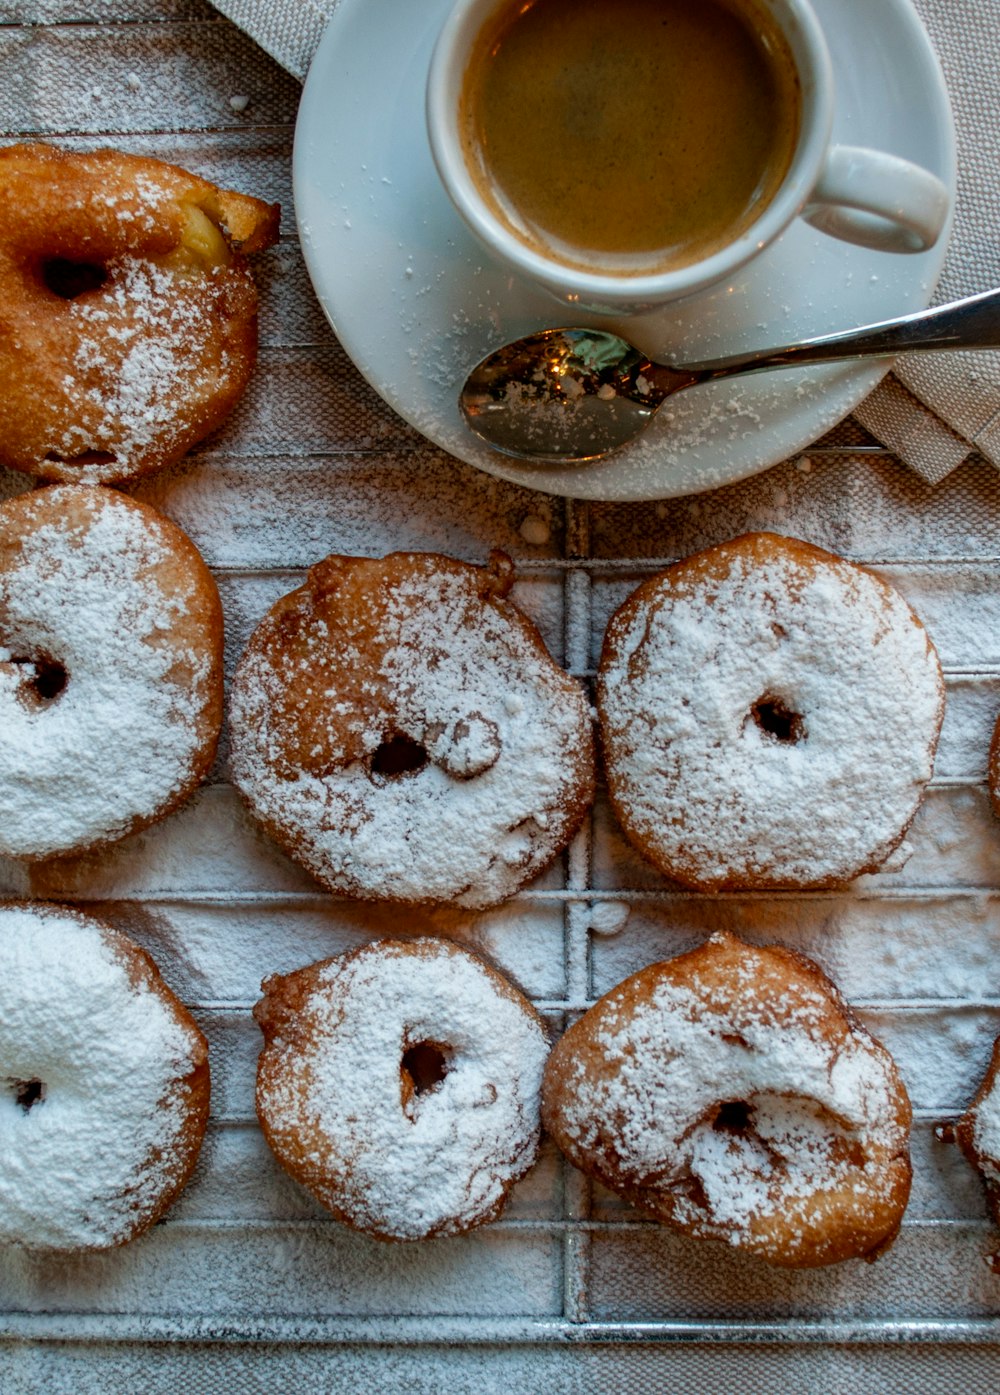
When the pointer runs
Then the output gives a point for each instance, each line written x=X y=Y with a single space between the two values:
x=769 y=714
x=128 y=312
x=104 y=1083
x=400 y=1084
x=110 y=669
x=399 y=727
x=731 y=1094
x=977 y=1133
x=993 y=769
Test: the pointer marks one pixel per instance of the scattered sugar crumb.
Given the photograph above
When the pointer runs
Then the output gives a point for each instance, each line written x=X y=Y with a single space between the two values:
x=535 y=530
x=609 y=918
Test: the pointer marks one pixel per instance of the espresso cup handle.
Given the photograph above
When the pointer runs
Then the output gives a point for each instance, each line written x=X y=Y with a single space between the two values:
x=877 y=200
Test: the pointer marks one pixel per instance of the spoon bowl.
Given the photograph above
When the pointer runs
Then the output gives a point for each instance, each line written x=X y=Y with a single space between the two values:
x=568 y=396
x=564 y=395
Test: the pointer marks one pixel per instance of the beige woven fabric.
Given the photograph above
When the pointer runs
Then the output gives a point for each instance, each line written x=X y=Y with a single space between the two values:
x=935 y=409
x=288 y=30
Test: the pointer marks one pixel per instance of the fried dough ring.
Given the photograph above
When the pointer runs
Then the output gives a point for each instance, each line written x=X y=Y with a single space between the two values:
x=399 y=1083
x=731 y=1094
x=104 y=1083
x=977 y=1133
x=993 y=769
x=110 y=669
x=400 y=729
x=128 y=325
x=769 y=714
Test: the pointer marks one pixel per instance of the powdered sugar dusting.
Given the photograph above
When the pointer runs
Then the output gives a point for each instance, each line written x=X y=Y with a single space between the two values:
x=137 y=356
x=406 y=1164
x=505 y=737
x=79 y=586
x=89 y=1156
x=773 y=720
x=986 y=1131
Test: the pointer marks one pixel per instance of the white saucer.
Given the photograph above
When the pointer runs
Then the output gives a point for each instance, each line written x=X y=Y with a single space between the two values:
x=416 y=303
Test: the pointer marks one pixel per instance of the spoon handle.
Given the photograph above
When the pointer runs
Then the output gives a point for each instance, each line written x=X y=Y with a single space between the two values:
x=963 y=324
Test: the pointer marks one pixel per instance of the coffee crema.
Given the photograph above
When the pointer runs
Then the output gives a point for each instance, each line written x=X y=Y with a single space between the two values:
x=629 y=136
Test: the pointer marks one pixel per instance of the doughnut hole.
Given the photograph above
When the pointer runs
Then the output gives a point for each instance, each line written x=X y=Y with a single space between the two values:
x=68 y=279
x=27 y=1093
x=423 y=1067
x=396 y=757
x=738 y=1119
x=777 y=720
x=733 y=1116
x=43 y=679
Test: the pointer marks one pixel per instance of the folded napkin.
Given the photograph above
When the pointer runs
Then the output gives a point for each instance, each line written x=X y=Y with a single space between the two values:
x=289 y=30
x=934 y=409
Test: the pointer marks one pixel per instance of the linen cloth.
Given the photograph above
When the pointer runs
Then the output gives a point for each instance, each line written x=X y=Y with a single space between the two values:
x=933 y=410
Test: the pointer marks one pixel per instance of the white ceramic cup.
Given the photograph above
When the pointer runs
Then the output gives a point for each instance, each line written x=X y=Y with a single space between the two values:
x=858 y=195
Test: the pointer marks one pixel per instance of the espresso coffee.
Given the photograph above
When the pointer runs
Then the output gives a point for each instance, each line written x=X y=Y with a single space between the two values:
x=629 y=136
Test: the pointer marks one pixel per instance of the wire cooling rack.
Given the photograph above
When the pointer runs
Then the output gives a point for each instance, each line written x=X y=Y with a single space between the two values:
x=246 y=1256
x=313 y=462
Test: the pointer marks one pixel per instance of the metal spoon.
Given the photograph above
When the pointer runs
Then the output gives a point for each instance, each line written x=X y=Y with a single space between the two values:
x=568 y=395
